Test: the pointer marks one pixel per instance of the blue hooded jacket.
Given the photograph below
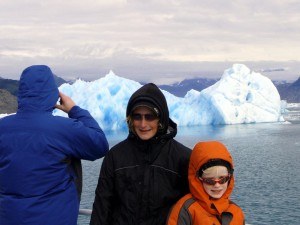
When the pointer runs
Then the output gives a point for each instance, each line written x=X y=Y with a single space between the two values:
x=36 y=184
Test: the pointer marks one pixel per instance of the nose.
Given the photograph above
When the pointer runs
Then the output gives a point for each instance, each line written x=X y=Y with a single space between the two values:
x=143 y=122
x=217 y=184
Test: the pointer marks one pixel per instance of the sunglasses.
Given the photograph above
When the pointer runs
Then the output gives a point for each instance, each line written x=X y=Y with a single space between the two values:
x=211 y=181
x=147 y=117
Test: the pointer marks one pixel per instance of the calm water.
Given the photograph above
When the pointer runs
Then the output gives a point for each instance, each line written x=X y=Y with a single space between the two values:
x=267 y=167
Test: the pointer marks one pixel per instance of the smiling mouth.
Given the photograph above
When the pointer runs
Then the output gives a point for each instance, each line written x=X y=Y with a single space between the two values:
x=217 y=191
x=144 y=131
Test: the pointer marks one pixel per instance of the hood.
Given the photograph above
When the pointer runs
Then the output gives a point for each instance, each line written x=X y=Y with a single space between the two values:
x=152 y=95
x=37 y=89
x=201 y=154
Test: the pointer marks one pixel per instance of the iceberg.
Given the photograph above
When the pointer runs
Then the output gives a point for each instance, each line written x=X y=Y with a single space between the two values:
x=240 y=96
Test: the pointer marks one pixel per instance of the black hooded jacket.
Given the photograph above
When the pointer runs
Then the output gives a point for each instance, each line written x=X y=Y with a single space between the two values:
x=141 y=180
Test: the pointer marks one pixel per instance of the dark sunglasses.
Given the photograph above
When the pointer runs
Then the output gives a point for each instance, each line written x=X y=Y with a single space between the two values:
x=211 y=181
x=147 y=117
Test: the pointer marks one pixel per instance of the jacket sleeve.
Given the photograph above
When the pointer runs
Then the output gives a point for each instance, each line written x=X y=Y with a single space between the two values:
x=104 y=195
x=88 y=140
x=184 y=165
x=179 y=215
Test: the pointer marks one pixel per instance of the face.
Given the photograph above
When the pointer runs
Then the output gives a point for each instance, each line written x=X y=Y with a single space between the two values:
x=145 y=123
x=215 y=173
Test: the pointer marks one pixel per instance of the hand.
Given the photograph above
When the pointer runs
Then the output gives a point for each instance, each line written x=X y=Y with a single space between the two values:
x=66 y=103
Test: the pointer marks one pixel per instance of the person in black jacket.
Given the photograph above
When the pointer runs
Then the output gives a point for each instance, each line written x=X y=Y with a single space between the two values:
x=143 y=176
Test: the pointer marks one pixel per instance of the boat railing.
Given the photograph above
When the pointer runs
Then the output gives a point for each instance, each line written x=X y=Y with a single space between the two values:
x=86 y=212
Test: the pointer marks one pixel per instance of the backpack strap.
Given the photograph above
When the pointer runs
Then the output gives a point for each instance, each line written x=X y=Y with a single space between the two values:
x=76 y=172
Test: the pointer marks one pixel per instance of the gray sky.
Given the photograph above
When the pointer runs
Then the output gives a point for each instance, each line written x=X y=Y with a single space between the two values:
x=161 y=41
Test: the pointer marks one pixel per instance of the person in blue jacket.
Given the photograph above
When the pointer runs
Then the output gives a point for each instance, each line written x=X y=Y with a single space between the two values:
x=38 y=152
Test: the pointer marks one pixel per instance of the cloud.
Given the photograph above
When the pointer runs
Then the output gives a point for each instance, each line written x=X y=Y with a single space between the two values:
x=88 y=36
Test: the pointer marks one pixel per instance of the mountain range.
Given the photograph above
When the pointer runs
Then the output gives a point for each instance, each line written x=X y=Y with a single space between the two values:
x=9 y=90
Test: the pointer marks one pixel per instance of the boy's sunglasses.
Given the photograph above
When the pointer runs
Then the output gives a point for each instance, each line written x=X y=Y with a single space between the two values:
x=147 y=117
x=211 y=181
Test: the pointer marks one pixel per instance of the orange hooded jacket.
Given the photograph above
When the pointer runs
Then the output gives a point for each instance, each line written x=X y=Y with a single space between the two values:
x=197 y=208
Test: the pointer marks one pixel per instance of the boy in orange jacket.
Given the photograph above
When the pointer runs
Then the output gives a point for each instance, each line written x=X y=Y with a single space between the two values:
x=211 y=182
